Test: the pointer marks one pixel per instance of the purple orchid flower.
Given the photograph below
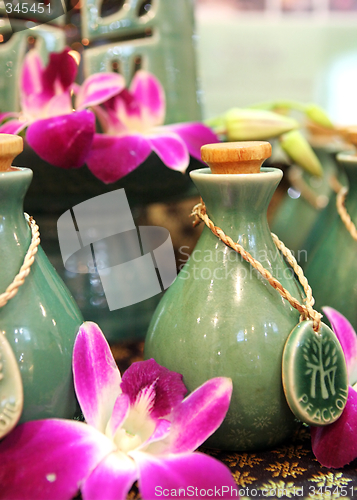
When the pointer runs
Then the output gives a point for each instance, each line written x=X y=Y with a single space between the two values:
x=57 y=133
x=132 y=121
x=335 y=445
x=139 y=428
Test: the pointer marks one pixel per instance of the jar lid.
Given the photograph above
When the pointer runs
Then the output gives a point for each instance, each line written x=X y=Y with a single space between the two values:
x=236 y=157
x=10 y=146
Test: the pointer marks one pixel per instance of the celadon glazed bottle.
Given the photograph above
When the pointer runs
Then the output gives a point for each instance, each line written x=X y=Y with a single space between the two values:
x=332 y=268
x=304 y=202
x=220 y=317
x=41 y=321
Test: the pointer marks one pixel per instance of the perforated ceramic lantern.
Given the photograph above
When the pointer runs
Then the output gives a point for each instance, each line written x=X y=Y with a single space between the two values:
x=155 y=35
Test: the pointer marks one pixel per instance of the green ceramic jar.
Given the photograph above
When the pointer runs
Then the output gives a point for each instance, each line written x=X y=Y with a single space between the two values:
x=41 y=321
x=332 y=268
x=221 y=318
x=302 y=207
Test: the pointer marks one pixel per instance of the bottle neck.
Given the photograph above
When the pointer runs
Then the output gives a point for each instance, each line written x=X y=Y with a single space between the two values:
x=14 y=230
x=238 y=203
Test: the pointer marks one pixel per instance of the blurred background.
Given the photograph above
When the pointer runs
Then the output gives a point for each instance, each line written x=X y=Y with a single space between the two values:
x=255 y=50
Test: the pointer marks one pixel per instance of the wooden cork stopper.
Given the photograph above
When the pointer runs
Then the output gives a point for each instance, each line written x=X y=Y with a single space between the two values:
x=10 y=147
x=236 y=157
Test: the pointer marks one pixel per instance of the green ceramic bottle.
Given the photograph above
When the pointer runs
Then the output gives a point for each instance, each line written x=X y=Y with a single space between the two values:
x=41 y=321
x=334 y=176
x=303 y=203
x=220 y=317
x=332 y=268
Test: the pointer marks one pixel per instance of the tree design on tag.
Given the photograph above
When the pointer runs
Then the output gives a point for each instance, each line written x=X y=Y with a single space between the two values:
x=321 y=363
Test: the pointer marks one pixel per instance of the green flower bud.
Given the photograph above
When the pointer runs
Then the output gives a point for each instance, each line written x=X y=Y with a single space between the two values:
x=256 y=124
x=318 y=115
x=299 y=150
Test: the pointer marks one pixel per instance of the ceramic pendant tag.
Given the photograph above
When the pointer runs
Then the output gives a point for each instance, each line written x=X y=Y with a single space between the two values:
x=314 y=374
x=11 y=393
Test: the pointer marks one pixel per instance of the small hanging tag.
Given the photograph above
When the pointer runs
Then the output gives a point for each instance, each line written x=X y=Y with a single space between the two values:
x=11 y=392
x=314 y=374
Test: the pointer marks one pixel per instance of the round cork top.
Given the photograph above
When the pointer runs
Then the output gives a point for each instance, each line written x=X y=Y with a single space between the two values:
x=10 y=146
x=236 y=157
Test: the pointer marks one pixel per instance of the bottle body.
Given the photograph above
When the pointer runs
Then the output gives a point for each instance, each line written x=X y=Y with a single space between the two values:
x=303 y=209
x=221 y=318
x=332 y=268
x=41 y=321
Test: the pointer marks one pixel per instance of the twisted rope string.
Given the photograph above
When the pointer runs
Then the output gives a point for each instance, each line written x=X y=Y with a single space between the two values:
x=306 y=310
x=19 y=279
x=342 y=211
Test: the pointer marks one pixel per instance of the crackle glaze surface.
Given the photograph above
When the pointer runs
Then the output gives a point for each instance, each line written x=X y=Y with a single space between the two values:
x=332 y=267
x=41 y=321
x=221 y=318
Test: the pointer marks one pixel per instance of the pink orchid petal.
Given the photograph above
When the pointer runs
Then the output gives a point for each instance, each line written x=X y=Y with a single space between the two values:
x=60 y=72
x=335 y=445
x=150 y=94
x=59 y=105
x=120 y=412
x=128 y=111
x=31 y=74
x=197 y=417
x=167 y=386
x=96 y=376
x=13 y=127
x=8 y=114
x=98 y=88
x=162 y=430
x=111 y=158
x=171 y=149
x=109 y=121
x=347 y=338
x=194 y=135
x=190 y=473
x=63 y=141
x=111 y=480
x=47 y=459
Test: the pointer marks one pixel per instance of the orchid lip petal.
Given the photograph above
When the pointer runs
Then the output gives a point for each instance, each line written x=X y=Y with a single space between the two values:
x=112 y=479
x=60 y=73
x=96 y=376
x=109 y=121
x=64 y=141
x=335 y=445
x=347 y=338
x=163 y=387
x=150 y=95
x=185 y=473
x=98 y=88
x=171 y=149
x=196 y=418
x=48 y=459
x=111 y=158
x=195 y=135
